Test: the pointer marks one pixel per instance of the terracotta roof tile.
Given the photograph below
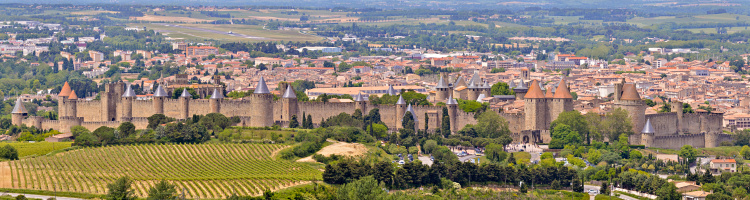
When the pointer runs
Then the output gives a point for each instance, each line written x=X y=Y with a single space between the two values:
x=534 y=91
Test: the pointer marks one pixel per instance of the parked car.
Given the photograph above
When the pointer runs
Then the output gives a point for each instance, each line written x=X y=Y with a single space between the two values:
x=401 y=162
x=593 y=192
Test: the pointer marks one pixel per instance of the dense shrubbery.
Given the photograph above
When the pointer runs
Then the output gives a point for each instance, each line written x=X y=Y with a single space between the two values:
x=193 y=130
x=8 y=152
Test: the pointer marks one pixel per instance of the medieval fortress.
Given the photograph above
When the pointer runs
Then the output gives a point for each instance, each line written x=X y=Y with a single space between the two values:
x=119 y=104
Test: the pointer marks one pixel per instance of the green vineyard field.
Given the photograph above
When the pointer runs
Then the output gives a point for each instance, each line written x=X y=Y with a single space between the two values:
x=206 y=171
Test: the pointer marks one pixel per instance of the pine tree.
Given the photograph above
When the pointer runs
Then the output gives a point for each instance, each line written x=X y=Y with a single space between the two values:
x=304 y=120
x=309 y=122
x=293 y=123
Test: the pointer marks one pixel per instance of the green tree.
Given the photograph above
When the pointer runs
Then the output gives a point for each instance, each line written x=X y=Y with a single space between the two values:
x=162 y=191
x=688 y=153
x=126 y=129
x=445 y=128
x=615 y=123
x=501 y=88
x=121 y=190
x=364 y=188
x=9 y=152
x=495 y=152
x=157 y=119
x=293 y=123
x=668 y=192
x=745 y=152
x=491 y=125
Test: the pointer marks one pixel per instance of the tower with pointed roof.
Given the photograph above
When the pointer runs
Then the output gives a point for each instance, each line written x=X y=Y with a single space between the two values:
x=520 y=90
x=562 y=100
x=158 y=100
x=442 y=91
x=474 y=87
x=19 y=112
x=73 y=104
x=452 y=106
x=185 y=98
x=262 y=101
x=400 y=110
x=630 y=101
x=535 y=108
x=647 y=134
x=215 y=100
x=127 y=104
x=289 y=105
x=62 y=99
x=360 y=103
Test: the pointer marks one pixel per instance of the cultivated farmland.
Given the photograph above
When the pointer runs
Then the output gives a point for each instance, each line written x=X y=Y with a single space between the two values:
x=207 y=171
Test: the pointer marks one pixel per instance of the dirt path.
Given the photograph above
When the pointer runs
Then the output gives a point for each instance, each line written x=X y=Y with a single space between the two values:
x=5 y=175
x=339 y=148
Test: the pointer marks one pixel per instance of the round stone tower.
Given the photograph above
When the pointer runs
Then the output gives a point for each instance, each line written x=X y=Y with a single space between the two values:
x=400 y=110
x=360 y=103
x=520 y=90
x=631 y=102
x=127 y=104
x=19 y=112
x=185 y=98
x=442 y=91
x=647 y=134
x=711 y=139
x=452 y=105
x=62 y=98
x=73 y=104
x=215 y=100
x=290 y=107
x=159 y=96
x=262 y=105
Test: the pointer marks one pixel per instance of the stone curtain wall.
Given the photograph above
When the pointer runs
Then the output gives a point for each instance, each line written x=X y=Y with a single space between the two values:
x=677 y=141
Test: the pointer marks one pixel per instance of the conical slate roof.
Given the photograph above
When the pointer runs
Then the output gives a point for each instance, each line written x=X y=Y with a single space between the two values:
x=19 y=108
x=451 y=101
x=441 y=83
x=487 y=85
x=217 y=94
x=521 y=85
x=400 y=101
x=648 y=128
x=160 y=92
x=391 y=91
x=261 y=88
x=185 y=93
x=512 y=84
x=73 y=95
x=413 y=114
x=129 y=92
x=475 y=81
x=359 y=97
x=535 y=92
x=289 y=93
x=562 y=91
x=65 y=91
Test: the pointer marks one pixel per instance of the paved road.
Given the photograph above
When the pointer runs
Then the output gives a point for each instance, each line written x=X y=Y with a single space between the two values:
x=533 y=150
x=425 y=160
x=38 y=196
x=215 y=31
x=465 y=158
